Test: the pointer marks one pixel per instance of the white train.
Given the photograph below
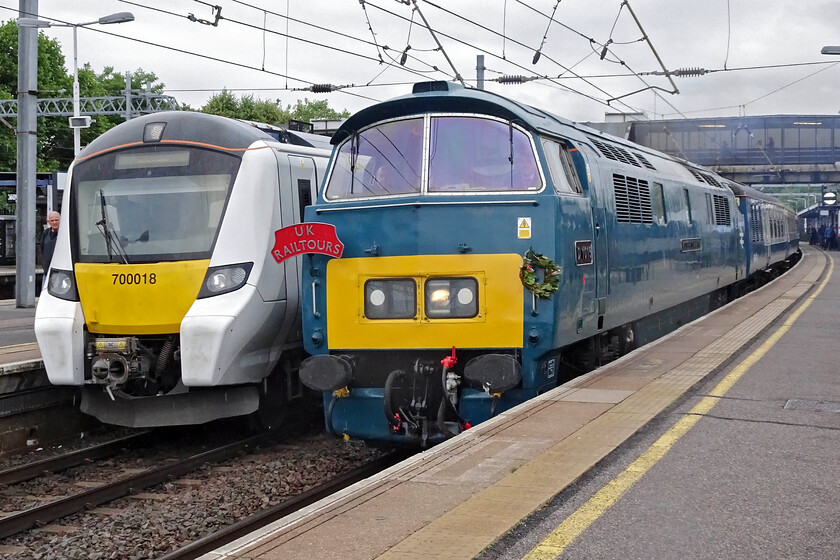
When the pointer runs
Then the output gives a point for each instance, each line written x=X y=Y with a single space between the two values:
x=164 y=303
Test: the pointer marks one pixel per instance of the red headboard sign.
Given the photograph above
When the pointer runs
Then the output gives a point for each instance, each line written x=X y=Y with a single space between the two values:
x=306 y=238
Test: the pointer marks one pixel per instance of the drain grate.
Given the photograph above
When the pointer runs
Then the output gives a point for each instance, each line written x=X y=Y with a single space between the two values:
x=812 y=406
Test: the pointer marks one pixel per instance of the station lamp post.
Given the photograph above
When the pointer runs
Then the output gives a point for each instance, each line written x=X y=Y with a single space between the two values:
x=78 y=122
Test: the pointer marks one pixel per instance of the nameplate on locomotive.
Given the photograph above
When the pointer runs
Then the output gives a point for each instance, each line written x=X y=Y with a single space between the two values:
x=306 y=238
x=583 y=252
x=691 y=244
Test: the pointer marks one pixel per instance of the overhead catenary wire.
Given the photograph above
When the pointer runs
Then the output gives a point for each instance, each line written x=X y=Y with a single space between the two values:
x=370 y=28
x=249 y=25
x=545 y=35
x=768 y=94
x=434 y=36
x=592 y=41
x=286 y=76
x=572 y=90
x=374 y=43
x=561 y=77
x=343 y=51
x=379 y=49
x=191 y=53
x=728 y=33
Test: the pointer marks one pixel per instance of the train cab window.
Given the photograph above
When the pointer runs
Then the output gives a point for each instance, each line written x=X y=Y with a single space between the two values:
x=386 y=159
x=479 y=154
x=657 y=196
x=562 y=167
x=152 y=203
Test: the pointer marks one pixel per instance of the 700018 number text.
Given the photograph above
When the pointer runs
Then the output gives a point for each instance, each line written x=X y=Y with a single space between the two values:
x=136 y=278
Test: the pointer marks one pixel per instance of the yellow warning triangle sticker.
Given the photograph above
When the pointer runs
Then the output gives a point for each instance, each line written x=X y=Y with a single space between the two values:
x=524 y=224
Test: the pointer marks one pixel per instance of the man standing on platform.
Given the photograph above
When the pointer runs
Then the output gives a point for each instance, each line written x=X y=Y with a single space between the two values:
x=48 y=239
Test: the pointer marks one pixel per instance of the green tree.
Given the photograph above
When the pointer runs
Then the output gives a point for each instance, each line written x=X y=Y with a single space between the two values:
x=52 y=79
x=307 y=110
x=250 y=108
x=55 y=137
x=109 y=84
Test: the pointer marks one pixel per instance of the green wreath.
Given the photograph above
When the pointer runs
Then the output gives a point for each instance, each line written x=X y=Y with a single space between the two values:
x=528 y=274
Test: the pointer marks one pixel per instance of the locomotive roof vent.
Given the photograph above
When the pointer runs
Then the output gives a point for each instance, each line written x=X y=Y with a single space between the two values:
x=153 y=131
x=425 y=87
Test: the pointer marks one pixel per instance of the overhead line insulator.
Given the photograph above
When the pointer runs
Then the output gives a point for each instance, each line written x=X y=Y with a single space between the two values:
x=518 y=79
x=689 y=72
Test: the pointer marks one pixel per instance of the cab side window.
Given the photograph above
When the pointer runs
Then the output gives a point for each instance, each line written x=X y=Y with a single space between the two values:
x=562 y=167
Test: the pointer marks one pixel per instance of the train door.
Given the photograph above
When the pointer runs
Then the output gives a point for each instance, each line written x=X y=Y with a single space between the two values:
x=600 y=247
x=300 y=190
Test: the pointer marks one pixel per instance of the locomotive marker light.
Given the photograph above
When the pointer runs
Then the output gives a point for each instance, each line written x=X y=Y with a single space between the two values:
x=306 y=238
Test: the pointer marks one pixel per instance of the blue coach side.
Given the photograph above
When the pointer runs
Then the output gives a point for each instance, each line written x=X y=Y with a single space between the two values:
x=771 y=237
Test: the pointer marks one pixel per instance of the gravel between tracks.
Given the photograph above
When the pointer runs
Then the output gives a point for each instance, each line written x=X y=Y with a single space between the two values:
x=168 y=516
x=81 y=441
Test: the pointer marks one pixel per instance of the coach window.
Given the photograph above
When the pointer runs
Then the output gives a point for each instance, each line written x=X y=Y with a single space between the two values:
x=562 y=168
x=658 y=196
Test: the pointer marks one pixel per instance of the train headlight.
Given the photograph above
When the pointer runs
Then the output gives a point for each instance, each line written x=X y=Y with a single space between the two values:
x=62 y=285
x=451 y=298
x=391 y=299
x=224 y=279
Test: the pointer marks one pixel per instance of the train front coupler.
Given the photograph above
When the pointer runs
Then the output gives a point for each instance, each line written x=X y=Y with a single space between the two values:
x=117 y=361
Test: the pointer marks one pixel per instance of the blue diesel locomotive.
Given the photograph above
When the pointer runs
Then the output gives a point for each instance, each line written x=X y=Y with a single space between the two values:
x=492 y=250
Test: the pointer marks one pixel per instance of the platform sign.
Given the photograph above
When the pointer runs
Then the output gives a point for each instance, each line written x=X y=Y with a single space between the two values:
x=306 y=238
x=829 y=198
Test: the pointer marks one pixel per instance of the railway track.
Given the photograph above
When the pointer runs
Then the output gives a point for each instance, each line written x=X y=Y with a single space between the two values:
x=58 y=463
x=179 y=509
x=56 y=509
x=258 y=520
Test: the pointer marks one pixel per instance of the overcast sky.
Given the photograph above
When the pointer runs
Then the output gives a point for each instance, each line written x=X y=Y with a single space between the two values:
x=724 y=36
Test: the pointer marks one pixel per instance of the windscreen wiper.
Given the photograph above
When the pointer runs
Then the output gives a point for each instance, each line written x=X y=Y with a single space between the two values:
x=112 y=242
x=354 y=156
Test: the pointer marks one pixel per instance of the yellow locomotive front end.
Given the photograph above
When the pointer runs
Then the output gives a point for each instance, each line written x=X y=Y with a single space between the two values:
x=424 y=302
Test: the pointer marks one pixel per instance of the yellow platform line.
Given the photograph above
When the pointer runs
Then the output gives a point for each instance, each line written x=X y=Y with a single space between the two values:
x=565 y=533
x=21 y=346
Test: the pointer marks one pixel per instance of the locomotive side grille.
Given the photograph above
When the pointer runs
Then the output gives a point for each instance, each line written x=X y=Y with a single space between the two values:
x=644 y=161
x=705 y=178
x=722 y=216
x=632 y=200
x=697 y=175
x=712 y=181
x=615 y=153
